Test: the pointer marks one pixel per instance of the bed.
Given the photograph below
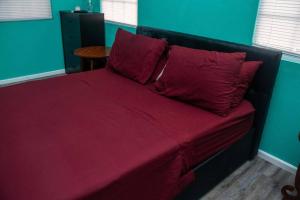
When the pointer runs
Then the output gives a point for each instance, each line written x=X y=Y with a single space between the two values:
x=98 y=135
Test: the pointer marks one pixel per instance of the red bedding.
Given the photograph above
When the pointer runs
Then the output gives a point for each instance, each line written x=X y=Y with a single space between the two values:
x=99 y=135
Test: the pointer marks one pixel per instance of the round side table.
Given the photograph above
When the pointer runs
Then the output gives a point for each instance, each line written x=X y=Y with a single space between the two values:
x=92 y=53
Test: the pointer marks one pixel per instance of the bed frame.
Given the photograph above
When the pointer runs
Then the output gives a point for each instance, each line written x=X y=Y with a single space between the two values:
x=212 y=171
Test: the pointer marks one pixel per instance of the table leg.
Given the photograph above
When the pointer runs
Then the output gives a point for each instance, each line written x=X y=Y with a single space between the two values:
x=81 y=64
x=288 y=188
x=92 y=64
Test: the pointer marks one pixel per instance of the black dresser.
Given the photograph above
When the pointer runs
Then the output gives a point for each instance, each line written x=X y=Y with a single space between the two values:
x=80 y=30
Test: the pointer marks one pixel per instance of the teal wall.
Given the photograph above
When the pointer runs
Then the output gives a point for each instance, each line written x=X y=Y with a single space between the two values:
x=283 y=123
x=233 y=20
x=230 y=20
x=29 y=47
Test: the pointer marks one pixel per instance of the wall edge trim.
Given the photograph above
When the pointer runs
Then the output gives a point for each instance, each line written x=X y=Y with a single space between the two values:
x=277 y=162
x=21 y=79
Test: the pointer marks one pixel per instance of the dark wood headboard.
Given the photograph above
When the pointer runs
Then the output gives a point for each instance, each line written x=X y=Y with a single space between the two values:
x=260 y=92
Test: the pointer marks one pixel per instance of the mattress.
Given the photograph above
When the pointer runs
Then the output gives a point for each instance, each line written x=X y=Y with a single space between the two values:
x=98 y=135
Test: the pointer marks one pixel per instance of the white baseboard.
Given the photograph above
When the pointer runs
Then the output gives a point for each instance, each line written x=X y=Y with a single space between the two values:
x=21 y=79
x=277 y=162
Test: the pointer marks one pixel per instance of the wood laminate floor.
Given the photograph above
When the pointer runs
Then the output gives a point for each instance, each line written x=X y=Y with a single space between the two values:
x=255 y=180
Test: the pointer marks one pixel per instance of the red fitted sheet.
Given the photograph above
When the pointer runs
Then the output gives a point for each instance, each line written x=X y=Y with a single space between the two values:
x=102 y=136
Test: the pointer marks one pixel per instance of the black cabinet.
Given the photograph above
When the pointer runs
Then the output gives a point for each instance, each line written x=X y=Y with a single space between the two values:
x=80 y=30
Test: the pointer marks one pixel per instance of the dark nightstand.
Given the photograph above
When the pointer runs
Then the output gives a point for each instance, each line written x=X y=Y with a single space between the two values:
x=80 y=30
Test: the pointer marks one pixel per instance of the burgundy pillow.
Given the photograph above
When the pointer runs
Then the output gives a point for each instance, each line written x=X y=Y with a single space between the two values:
x=247 y=73
x=135 y=56
x=203 y=78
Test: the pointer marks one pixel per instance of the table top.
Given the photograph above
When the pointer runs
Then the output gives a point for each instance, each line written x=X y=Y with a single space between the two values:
x=93 y=52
